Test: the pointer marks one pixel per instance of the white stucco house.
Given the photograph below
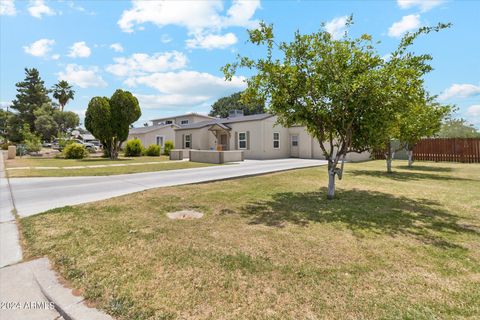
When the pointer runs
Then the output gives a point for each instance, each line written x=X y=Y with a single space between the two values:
x=258 y=136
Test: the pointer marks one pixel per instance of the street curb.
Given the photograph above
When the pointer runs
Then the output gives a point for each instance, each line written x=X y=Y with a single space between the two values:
x=69 y=306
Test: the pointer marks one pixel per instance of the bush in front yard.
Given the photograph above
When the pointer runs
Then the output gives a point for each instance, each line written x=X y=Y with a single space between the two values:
x=167 y=147
x=75 y=151
x=152 y=150
x=133 y=148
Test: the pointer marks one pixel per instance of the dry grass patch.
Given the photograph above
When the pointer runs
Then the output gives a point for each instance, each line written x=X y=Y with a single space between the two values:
x=390 y=246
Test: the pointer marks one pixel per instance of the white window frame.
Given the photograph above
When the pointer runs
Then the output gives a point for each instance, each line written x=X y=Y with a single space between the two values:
x=276 y=140
x=163 y=140
x=184 y=121
x=292 y=140
x=244 y=140
x=189 y=141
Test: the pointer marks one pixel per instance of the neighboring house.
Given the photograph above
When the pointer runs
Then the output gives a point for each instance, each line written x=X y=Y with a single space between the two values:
x=259 y=136
x=182 y=119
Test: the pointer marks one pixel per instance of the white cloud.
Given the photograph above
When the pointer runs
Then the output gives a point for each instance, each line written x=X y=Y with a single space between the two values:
x=79 y=50
x=5 y=104
x=40 y=48
x=55 y=56
x=7 y=8
x=141 y=63
x=166 y=38
x=117 y=47
x=83 y=77
x=460 y=91
x=190 y=83
x=424 y=5
x=212 y=41
x=474 y=110
x=169 y=100
x=336 y=27
x=37 y=8
x=407 y=23
x=198 y=17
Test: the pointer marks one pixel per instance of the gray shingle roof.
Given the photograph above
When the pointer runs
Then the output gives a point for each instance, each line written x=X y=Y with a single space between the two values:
x=141 y=130
x=253 y=117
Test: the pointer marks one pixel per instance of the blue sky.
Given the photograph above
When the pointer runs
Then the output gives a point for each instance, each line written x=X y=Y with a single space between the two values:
x=169 y=54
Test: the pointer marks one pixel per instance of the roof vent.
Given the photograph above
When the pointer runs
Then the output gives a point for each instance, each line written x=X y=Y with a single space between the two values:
x=235 y=113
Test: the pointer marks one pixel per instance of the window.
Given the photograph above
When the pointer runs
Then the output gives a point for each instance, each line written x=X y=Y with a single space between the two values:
x=242 y=140
x=276 y=140
x=188 y=141
x=159 y=141
x=294 y=141
x=184 y=122
x=168 y=122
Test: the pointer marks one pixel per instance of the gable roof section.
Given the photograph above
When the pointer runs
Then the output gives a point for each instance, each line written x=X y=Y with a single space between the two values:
x=225 y=121
x=141 y=130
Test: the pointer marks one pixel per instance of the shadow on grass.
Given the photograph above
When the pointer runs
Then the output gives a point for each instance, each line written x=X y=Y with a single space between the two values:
x=405 y=176
x=420 y=167
x=360 y=210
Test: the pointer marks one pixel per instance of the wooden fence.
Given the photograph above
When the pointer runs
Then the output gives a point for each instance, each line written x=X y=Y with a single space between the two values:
x=445 y=149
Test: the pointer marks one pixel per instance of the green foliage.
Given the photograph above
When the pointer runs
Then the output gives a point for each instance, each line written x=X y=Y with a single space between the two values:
x=167 y=147
x=66 y=120
x=152 y=150
x=109 y=119
x=133 y=148
x=45 y=124
x=31 y=95
x=32 y=141
x=63 y=92
x=75 y=151
x=342 y=91
x=458 y=128
x=224 y=105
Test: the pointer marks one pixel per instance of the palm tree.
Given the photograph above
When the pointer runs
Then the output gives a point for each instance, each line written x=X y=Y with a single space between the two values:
x=63 y=92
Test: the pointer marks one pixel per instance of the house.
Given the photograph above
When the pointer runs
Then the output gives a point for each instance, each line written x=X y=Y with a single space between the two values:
x=258 y=136
x=163 y=128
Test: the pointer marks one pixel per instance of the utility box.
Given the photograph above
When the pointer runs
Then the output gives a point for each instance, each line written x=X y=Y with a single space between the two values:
x=12 y=152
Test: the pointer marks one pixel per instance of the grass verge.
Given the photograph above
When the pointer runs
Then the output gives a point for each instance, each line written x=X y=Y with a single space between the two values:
x=404 y=245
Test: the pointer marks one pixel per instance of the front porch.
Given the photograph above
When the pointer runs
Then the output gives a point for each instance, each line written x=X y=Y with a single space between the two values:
x=222 y=135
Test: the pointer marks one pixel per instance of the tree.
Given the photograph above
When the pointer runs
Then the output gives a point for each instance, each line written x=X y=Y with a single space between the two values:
x=342 y=91
x=63 y=92
x=31 y=140
x=66 y=120
x=458 y=128
x=423 y=120
x=32 y=94
x=109 y=119
x=45 y=124
x=223 y=106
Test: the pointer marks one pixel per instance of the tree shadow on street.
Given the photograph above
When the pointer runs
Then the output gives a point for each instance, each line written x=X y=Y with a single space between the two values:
x=360 y=210
x=405 y=176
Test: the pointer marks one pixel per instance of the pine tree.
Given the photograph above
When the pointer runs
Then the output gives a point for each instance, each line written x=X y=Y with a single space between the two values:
x=32 y=94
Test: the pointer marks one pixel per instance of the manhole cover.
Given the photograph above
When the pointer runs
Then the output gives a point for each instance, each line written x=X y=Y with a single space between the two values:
x=184 y=215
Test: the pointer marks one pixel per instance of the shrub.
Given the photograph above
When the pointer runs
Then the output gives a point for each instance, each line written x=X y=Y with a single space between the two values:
x=75 y=151
x=167 y=147
x=133 y=148
x=152 y=150
x=32 y=141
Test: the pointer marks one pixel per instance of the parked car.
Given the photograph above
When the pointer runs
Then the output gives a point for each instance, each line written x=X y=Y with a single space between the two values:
x=88 y=145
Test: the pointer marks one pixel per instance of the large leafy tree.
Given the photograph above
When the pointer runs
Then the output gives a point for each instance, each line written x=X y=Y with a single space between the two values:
x=63 y=92
x=109 y=119
x=342 y=91
x=223 y=106
x=32 y=94
x=458 y=128
x=45 y=125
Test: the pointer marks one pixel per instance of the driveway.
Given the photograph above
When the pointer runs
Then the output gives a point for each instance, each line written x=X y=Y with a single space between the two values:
x=35 y=195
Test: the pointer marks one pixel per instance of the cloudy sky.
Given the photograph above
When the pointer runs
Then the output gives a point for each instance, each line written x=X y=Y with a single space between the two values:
x=169 y=54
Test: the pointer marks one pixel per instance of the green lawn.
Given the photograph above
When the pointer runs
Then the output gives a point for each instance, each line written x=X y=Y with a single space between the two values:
x=163 y=164
x=399 y=246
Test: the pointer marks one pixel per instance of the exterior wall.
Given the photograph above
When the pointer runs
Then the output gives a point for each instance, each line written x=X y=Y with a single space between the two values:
x=200 y=138
x=150 y=137
x=192 y=118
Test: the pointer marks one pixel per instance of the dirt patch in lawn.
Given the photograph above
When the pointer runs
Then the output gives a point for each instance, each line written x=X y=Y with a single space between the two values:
x=184 y=215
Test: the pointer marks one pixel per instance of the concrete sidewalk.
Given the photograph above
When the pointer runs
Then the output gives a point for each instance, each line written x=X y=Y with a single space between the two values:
x=36 y=195
x=10 y=250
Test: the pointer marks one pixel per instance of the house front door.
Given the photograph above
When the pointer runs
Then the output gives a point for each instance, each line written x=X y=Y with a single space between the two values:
x=294 y=146
x=224 y=141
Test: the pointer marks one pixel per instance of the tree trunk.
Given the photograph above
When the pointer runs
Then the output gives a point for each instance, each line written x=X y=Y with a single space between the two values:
x=331 y=180
x=388 y=157
x=410 y=158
